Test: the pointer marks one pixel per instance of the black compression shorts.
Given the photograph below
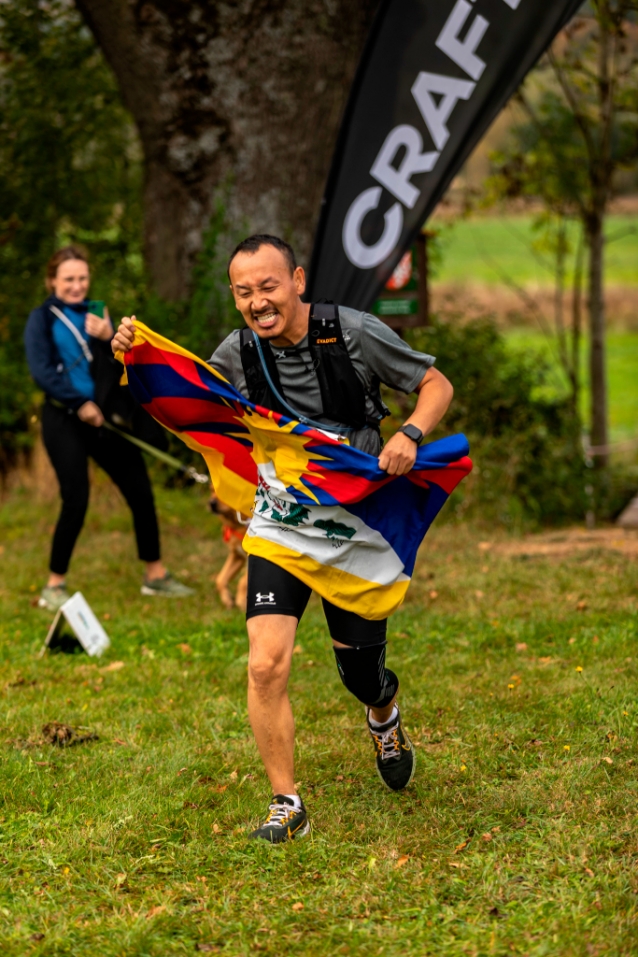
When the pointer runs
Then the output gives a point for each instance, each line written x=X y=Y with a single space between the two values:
x=274 y=591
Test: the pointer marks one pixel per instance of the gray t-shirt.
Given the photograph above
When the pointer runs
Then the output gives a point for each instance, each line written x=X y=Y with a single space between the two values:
x=377 y=354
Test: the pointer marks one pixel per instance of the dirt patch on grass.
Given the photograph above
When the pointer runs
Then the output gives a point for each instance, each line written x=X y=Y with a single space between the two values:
x=508 y=307
x=567 y=542
x=57 y=733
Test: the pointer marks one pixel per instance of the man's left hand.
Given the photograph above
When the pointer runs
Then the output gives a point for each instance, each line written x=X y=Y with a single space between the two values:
x=99 y=328
x=399 y=455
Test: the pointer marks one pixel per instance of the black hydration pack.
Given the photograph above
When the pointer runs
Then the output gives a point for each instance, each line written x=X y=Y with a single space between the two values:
x=343 y=396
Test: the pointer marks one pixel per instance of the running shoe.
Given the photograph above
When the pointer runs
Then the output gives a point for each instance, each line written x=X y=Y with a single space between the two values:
x=52 y=597
x=396 y=761
x=167 y=587
x=284 y=822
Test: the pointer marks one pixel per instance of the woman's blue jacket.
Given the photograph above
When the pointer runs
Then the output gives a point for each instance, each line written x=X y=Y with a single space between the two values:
x=43 y=357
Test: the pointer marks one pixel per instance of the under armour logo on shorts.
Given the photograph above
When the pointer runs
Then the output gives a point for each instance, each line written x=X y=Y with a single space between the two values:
x=267 y=599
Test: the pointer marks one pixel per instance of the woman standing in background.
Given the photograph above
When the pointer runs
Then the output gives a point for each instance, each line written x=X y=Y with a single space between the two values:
x=69 y=355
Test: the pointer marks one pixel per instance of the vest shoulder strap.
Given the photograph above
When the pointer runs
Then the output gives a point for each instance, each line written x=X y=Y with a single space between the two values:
x=342 y=391
x=259 y=391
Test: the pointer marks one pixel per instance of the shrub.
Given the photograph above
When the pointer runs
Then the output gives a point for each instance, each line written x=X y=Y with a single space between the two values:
x=17 y=406
x=526 y=442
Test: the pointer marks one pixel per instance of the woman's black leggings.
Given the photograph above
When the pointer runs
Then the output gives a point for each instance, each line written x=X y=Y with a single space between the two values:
x=69 y=443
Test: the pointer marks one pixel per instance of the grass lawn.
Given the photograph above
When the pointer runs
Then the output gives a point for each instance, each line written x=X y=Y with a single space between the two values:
x=486 y=249
x=518 y=835
x=622 y=371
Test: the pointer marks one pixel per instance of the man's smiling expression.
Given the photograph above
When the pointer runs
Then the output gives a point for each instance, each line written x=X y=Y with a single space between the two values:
x=267 y=293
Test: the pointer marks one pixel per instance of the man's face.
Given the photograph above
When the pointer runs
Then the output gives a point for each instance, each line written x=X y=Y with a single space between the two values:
x=266 y=292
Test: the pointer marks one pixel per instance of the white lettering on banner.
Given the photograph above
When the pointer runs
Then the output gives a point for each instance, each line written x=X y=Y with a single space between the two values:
x=463 y=52
x=436 y=113
x=397 y=180
x=436 y=117
x=367 y=257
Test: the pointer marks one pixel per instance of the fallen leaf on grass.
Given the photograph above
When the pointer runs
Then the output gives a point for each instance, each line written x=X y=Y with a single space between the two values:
x=185 y=648
x=106 y=616
x=434 y=594
x=461 y=847
x=298 y=906
x=114 y=666
x=216 y=828
x=479 y=594
x=297 y=650
x=233 y=775
x=486 y=837
x=402 y=860
x=521 y=646
x=607 y=760
x=154 y=911
x=120 y=741
x=589 y=872
x=581 y=605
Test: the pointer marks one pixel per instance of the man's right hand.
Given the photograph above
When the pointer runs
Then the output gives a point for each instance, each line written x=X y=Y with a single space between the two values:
x=91 y=414
x=123 y=339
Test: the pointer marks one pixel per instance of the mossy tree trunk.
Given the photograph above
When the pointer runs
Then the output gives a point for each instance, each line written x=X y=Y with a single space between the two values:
x=234 y=100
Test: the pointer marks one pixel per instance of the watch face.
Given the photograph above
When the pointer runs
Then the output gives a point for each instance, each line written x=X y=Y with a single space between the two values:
x=412 y=432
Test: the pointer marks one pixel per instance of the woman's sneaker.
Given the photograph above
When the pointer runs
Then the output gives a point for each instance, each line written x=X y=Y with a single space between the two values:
x=396 y=761
x=52 y=597
x=284 y=822
x=167 y=587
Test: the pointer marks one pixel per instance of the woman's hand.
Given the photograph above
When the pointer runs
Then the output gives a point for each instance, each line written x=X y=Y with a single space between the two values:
x=125 y=335
x=99 y=328
x=91 y=414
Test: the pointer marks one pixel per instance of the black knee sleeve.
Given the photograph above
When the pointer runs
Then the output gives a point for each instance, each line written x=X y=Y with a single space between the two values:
x=365 y=675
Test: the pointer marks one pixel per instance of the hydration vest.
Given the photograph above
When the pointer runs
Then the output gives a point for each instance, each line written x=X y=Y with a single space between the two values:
x=343 y=395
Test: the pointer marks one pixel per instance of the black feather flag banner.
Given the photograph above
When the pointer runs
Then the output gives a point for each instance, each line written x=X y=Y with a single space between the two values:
x=433 y=76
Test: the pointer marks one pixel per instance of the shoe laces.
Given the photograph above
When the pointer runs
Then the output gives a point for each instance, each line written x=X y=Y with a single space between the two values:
x=387 y=742
x=280 y=814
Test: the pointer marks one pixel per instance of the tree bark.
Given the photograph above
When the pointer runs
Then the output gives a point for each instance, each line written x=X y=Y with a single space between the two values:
x=597 y=360
x=233 y=101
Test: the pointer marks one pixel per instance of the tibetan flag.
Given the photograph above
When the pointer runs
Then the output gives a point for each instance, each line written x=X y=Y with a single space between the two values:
x=322 y=510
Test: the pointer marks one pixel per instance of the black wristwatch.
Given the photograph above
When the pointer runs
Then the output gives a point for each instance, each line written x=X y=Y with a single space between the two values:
x=412 y=433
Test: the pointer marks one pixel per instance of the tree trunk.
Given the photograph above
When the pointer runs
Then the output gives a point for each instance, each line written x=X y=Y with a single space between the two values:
x=597 y=362
x=601 y=179
x=234 y=101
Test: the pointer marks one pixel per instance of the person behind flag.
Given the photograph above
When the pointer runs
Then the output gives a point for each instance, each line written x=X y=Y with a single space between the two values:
x=65 y=342
x=322 y=365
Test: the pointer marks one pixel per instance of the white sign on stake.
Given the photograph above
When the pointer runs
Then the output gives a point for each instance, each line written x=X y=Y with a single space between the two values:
x=85 y=626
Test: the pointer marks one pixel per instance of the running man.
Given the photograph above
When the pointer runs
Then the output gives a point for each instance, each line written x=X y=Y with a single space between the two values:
x=324 y=363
